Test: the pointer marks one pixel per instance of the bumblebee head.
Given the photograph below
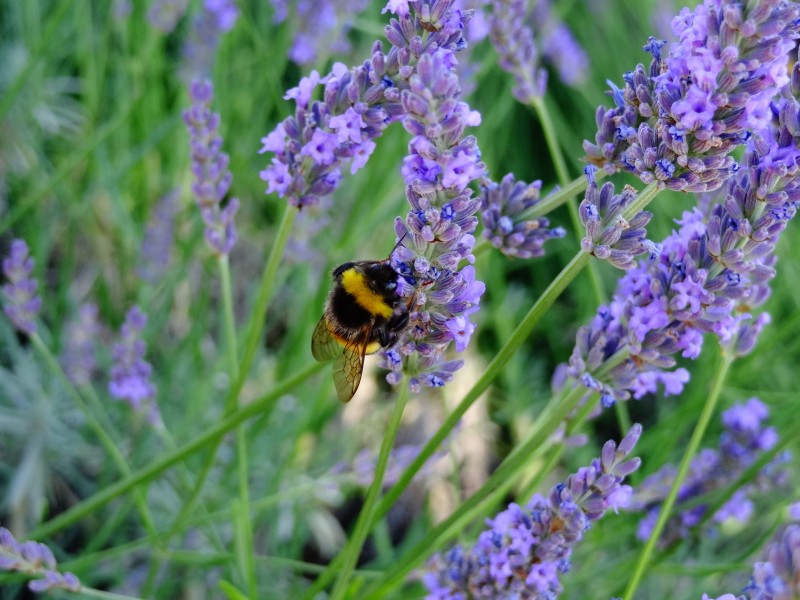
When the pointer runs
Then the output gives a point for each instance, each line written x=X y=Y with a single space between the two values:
x=382 y=279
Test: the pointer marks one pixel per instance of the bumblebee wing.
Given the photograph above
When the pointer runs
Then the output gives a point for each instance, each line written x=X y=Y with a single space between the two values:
x=348 y=367
x=324 y=346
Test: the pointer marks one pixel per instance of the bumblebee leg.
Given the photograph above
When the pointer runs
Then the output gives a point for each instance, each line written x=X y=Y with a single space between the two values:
x=397 y=322
x=386 y=337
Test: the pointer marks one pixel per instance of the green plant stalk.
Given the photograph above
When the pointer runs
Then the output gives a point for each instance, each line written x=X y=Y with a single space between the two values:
x=511 y=467
x=683 y=471
x=96 y=427
x=208 y=438
x=93 y=593
x=540 y=106
x=352 y=549
x=258 y=314
x=246 y=565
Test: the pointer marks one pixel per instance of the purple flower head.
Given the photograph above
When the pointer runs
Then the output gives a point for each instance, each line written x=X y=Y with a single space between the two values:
x=437 y=234
x=778 y=578
x=130 y=375
x=677 y=122
x=608 y=235
x=216 y=18
x=156 y=250
x=78 y=359
x=37 y=560
x=212 y=178
x=525 y=550
x=707 y=278
x=22 y=304
x=165 y=14
x=503 y=207
x=312 y=147
x=744 y=438
x=514 y=43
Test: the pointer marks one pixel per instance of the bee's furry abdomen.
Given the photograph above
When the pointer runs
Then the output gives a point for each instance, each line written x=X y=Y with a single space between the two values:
x=348 y=312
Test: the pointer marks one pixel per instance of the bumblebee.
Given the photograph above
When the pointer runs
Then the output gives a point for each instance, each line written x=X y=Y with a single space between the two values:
x=363 y=313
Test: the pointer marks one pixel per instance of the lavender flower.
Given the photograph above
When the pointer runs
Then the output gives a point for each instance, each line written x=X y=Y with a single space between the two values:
x=707 y=278
x=502 y=207
x=778 y=578
x=212 y=179
x=23 y=304
x=78 y=358
x=513 y=41
x=216 y=18
x=33 y=558
x=437 y=234
x=321 y=28
x=744 y=439
x=559 y=47
x=358 y=104
x=165 y=14
x=608 y=235
x=156 y=251
x=526 y=549
x=130 y=375
x=678 y=121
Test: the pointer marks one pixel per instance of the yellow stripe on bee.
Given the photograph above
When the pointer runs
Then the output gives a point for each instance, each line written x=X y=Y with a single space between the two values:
x=371 y=348
x=354 y=284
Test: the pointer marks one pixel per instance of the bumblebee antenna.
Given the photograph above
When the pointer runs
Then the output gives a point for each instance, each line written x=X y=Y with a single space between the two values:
x=398 y=243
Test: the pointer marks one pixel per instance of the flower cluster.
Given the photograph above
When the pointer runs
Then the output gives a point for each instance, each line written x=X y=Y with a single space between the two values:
x=559 y=47
x=609 y=236
x=526 y=549
x=437 y=234
x=23 y=304
x=744 y=439
x=777 y=578
x=33 y=558
x=215 y=18
x=130 y=375
x=212 y=178
x=707 y=278
x=513 y=41
x=503 y=208
x=165 y=14
x=321 y=28
x=678 y=121
x=156 y=251
x=78 y=358
x=358 y=104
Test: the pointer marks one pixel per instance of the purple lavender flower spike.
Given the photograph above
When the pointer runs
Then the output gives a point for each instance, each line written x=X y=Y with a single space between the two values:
x=78 y=359
x=156 y=250
x=22 y=305
x=313 y=146
x=778 y=578
x=130 y=375
x=677 y=122
x=708 y=277
x=437 y=235
x=216 y=18
x=745 y=437
x=502 y=207
x=165 y=14
x=212 y=178
x=559 y=47
x=526 y=549
x=608 y=235
x=514 y=43
x=35 y=559
x=321 y=28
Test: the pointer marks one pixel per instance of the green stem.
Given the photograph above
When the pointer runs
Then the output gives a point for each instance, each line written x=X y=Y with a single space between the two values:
x=210 y=437
x=93 y=593
x=256 y=327
x=364 y=523
x=246 y=565
x=683 y=471
x=96 y=427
